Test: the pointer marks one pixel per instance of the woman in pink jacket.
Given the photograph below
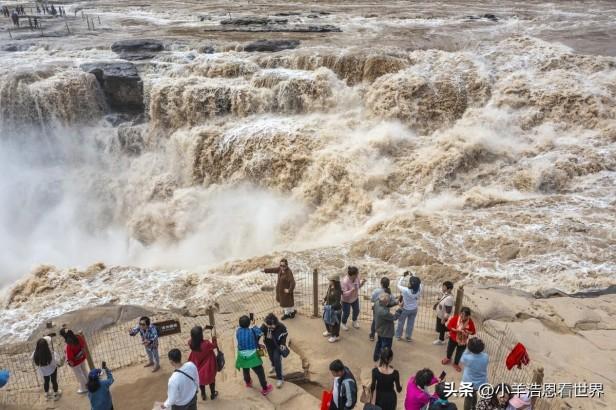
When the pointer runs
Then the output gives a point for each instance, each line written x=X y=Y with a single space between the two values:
x=417 y=395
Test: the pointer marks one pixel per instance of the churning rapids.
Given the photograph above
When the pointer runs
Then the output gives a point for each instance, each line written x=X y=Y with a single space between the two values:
x=444 y=139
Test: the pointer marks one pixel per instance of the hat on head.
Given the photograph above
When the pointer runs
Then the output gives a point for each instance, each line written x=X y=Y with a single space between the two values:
x=4 y=377
x=333 y=276
x=94 y=373
x=520 y=400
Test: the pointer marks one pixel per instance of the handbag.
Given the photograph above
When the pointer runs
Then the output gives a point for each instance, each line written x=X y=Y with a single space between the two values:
x=220 y=360
x=284 y=350
x=366 y=395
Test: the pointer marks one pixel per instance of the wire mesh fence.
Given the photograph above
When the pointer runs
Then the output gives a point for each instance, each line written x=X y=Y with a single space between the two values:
x=257 y=295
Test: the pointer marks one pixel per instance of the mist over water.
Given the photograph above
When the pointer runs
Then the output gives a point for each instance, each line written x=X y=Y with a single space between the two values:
x=490 y=162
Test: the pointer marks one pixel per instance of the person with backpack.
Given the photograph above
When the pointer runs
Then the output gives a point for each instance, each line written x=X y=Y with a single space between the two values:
x=275 y=338
x=475 y=362
x=345 y=387
x=249 y=353
x=46 y=360
x=410 y=298
x=374 y=298
x=203 y=356
x=98 y=390
x=461 y=327
x=149 y=340
x=332 y=309
x=76 y=357
x=444 y=310
x=285 y=286
x=183 y=384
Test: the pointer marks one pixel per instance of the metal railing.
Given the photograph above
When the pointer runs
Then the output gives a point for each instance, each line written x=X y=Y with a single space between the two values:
x=256 y=294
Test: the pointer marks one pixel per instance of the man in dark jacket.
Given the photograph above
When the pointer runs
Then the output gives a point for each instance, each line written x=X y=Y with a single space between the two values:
x=276 y=343
x=345 y=387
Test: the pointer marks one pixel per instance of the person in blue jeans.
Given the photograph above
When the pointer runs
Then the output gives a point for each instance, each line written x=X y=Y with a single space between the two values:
x=374 y=298
x=410 y=298
x=384 y=325
x=98 y=390
x=475 y=362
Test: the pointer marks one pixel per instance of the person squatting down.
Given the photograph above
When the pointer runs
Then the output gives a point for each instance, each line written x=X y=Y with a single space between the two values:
x=149 y=339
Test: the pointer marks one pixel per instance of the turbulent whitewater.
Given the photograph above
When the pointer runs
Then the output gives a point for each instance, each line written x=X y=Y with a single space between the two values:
x=491 y=162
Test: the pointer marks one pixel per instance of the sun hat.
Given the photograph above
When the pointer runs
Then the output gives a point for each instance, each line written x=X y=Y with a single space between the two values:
x=94 y=373
x=520 y=400
x=333 y=276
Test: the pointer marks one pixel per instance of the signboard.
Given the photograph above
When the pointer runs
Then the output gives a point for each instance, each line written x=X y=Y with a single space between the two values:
x=168 y=327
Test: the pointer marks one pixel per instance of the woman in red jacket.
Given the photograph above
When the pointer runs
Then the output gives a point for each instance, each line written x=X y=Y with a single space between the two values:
x=460 y=328
x=76 y=357
x=202 y=355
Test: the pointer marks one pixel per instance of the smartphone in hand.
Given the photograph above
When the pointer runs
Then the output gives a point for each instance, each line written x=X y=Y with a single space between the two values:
x=252 y=317
x=209 y=327
x=442 y=376
x=104 y=365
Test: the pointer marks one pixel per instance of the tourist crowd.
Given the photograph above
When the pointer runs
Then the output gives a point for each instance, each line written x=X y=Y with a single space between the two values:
x=189 y=379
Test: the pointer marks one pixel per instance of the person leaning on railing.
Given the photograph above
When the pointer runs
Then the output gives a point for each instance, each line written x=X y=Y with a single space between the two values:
x=285 y=286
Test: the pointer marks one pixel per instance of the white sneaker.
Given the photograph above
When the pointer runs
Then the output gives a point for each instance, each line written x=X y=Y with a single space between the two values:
x=279 y=383
x=48 y=395
x=272 y=371
x=56 y=396
x=326 y=334
x=81 y=391
x=438 y=342
x=356 y=325
x=344 y=327
x=332 y=339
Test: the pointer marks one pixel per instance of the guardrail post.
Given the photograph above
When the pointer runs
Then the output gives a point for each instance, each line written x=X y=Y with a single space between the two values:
x=315 y=293
x=459 y=300
x=88 y=355
x=537 y=380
